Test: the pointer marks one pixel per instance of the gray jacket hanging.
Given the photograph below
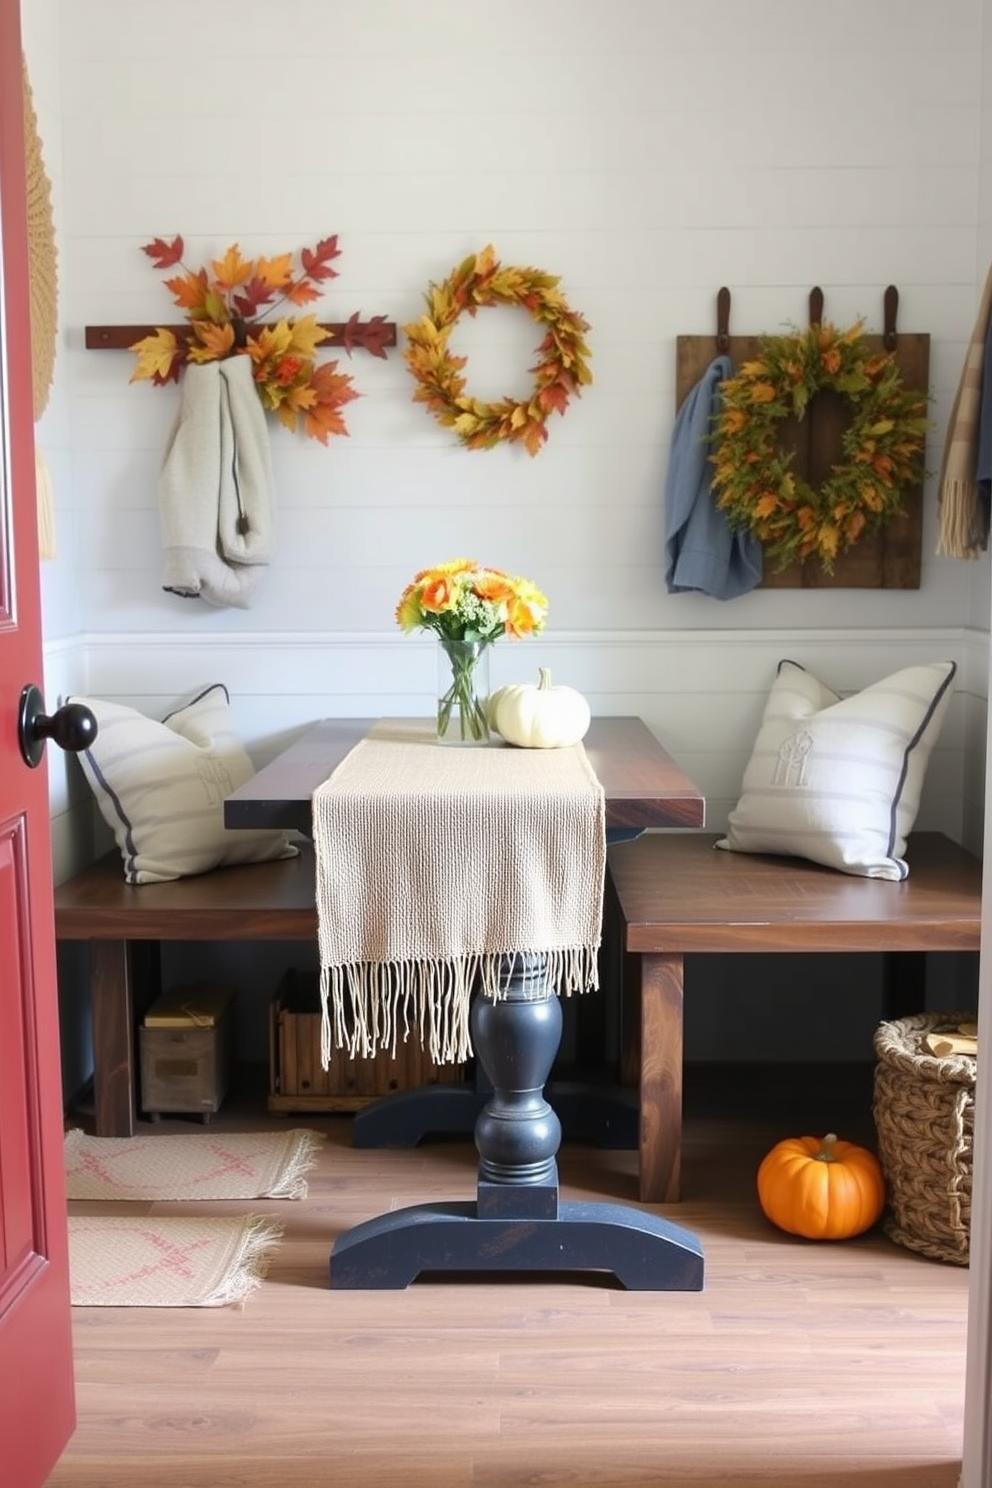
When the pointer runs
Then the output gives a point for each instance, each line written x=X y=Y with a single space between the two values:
x=702 y=553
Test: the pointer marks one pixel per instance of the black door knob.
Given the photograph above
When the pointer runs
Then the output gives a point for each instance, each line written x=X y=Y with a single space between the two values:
x=72 y=727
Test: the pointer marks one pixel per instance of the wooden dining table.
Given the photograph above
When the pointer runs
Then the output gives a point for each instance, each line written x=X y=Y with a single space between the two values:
x=518 y=1221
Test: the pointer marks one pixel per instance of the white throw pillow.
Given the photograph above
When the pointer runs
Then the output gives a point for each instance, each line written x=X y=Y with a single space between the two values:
x=838 y=780
x=161 y=788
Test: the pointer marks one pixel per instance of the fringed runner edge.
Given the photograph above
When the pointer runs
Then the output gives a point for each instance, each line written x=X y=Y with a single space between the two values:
x=250 y=1262
x=365 y=1005
x=292 y=1184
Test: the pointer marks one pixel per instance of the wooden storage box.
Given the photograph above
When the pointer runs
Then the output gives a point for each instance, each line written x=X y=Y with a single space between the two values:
x=298 y=1083
x=186 y=1046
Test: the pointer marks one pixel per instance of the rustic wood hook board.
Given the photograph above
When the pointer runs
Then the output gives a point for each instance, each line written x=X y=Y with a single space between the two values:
x=890 y=559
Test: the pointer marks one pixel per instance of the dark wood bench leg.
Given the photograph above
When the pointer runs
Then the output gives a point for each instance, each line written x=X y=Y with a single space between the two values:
x=113 y=1037
x=124 y=979
x=661 y=996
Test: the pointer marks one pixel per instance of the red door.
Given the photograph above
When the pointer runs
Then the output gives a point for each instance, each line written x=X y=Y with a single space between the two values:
x=37 y=1410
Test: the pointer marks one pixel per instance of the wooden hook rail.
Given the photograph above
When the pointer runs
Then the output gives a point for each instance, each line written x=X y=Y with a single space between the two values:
x=373 y=335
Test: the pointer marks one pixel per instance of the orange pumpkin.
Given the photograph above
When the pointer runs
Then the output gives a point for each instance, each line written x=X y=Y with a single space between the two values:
x=821 y=1189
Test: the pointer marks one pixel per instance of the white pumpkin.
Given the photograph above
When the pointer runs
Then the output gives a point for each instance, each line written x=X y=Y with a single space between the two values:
x=541 y=717
x=492 y=706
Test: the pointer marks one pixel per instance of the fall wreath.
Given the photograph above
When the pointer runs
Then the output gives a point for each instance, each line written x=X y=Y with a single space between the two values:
x=562 y=368
x=883 y=446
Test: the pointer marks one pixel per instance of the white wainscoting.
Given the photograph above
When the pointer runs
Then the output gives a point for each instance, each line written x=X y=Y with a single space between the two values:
x=701 y=692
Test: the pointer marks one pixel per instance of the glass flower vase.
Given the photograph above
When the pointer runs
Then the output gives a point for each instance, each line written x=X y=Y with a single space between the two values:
x=462 y=692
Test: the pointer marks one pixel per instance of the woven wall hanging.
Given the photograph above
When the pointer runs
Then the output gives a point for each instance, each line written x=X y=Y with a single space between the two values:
x=43 y=292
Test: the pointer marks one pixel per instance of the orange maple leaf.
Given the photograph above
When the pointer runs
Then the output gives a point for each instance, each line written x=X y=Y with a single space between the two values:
x=232 y=269
x=322 y=421
x=189 y=291
x=333 y=389
x=333 y=386
x=302 y=293
x=276 y=272
x=209 y=342
x=271 y=341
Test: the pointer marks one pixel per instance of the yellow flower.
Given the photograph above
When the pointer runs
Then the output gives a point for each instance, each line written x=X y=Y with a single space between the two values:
x=462 y=600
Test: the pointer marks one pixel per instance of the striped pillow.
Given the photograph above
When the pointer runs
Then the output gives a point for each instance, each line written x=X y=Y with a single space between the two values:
x=161 y=788
x=838 y=780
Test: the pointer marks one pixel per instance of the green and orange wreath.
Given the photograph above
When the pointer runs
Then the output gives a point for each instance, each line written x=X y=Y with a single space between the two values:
x=562 y=368
x=883 y=446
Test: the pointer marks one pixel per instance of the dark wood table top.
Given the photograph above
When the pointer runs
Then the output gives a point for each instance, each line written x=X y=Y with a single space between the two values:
x=644 y=786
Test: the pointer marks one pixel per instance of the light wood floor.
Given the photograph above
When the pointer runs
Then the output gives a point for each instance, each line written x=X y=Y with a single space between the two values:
x=812 y=1365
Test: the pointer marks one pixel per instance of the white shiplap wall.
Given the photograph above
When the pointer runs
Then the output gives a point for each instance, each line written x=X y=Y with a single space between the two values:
x=647 y=152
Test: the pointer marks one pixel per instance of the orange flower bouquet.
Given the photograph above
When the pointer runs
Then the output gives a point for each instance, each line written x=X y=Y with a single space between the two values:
x=468 y=607
x=223 y=309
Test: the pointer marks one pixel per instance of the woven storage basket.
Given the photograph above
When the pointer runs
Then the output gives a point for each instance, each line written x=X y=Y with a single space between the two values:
x=924 y=1111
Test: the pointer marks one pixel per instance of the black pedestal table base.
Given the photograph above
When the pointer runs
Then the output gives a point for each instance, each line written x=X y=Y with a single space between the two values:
x=607 y=1117
x=517 y=1222
x=643 y=1252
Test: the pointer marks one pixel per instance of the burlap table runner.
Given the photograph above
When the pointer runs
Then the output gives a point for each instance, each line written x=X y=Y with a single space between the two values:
x=434 y=864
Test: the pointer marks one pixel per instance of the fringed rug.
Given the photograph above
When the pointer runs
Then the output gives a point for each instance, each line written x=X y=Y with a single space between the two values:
x=151 y=1262
x=256 y=1165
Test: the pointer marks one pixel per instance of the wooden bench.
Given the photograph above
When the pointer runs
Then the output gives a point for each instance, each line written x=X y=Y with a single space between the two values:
x=675 y=896
x=125 y=925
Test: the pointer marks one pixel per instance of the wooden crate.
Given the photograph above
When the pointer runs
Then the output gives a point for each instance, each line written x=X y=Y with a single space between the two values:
x=297 y=1082
x=187 y=1056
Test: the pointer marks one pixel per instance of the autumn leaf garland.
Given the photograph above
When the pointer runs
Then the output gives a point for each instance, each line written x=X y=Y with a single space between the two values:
x=562 y=369
x=223 y=308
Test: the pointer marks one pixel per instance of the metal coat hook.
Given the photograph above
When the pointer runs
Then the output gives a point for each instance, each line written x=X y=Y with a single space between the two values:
x=723 y=320
x=816 y=306
x=890 y=302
